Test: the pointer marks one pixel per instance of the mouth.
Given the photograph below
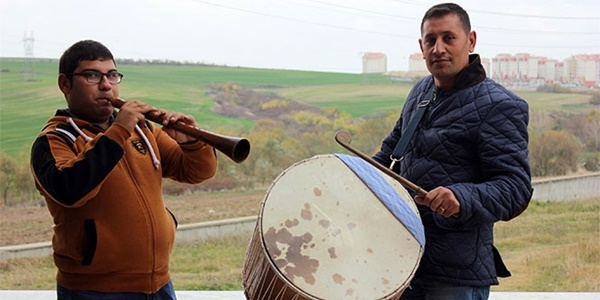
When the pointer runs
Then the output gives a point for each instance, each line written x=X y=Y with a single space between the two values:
x=104 y=101
x=440 y=61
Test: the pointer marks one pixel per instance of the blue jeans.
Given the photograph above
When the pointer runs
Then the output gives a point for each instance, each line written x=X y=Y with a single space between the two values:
x=421 y=290
x=167 y=292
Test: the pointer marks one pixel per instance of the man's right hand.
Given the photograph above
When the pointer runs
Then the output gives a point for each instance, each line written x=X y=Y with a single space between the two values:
x=131 y=113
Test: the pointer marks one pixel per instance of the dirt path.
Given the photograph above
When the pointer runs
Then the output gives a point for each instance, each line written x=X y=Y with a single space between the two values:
x=22 y=225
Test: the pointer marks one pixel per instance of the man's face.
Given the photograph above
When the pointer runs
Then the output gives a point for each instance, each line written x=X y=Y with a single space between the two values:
x=90 y=101
x=446 y=46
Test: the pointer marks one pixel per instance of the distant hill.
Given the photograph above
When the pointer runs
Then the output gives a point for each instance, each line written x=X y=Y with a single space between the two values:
x=26 y=104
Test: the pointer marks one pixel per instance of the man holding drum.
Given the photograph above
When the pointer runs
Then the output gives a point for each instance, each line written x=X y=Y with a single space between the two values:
x=469 y=150
x=101 y=174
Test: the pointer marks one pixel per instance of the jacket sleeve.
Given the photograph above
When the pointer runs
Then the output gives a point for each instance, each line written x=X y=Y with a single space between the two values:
x=189 y=163
x=71 y=177
x=505 y=188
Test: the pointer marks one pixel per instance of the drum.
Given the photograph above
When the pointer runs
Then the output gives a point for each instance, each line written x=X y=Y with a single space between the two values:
x=333 y=227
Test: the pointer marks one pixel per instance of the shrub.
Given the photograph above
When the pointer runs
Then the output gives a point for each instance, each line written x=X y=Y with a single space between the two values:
x=553 y=153
x=595 y=99
x=592 y=164
x=16 y=181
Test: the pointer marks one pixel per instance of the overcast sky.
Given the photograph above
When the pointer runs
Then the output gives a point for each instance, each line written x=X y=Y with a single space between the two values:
x=325 y=35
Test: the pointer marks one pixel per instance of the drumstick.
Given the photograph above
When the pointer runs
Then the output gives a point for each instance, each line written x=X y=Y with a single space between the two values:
x=344 y=138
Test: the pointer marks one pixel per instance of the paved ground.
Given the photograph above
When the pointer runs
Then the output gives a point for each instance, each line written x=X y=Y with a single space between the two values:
x=239 y=295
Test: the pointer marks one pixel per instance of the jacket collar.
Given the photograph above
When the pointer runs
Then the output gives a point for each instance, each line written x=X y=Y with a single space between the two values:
x=65 y=112
x=473 y=74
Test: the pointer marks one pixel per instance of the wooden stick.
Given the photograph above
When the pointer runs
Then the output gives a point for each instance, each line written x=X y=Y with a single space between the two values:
x=344 y=138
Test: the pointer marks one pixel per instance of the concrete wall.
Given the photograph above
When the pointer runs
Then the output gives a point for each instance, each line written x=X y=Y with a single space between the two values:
x=556 y=189
x=215 y=229
x=567 y=188
x=185 y=233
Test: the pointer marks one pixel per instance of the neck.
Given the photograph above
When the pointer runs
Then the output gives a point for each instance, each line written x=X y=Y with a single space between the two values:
x=445 y=83
x=104 y=125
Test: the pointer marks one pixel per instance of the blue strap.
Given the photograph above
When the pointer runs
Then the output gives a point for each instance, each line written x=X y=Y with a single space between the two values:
x=402 y=144
x=386 y=194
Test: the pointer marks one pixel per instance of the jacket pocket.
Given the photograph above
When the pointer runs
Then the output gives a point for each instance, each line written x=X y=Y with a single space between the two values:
x=173 y=216
x=453 y=248
x=91 y=239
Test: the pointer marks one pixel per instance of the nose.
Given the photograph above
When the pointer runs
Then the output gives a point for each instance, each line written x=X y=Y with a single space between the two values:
x=104 y=83
x=439 y=47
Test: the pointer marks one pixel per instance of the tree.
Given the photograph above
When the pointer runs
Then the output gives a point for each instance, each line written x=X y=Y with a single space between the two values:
x=373 y=130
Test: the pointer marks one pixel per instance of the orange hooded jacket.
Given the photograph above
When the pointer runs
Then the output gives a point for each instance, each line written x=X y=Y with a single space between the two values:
x=112 y=231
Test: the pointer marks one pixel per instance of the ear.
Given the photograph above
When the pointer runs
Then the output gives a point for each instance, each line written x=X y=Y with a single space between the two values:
x=472 y=41
x=64 y=84
x=421 y=47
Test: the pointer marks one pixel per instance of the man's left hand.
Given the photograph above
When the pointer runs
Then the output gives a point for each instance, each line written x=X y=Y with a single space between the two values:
x=441 y=200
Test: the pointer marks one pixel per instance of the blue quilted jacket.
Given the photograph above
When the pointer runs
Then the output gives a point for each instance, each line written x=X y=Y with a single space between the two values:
x=472 y=140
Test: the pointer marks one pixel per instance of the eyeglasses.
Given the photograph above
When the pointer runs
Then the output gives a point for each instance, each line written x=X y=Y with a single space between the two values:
x=92 y=76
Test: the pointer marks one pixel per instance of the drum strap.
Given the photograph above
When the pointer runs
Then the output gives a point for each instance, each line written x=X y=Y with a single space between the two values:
x=402 y=144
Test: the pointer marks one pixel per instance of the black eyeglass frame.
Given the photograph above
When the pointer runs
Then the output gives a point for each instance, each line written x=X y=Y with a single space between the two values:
x=86 y=74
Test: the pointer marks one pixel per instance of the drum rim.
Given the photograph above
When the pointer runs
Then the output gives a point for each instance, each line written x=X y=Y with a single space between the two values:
x=277 y=271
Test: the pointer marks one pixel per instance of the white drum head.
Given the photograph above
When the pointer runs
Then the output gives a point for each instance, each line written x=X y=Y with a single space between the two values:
x=330 y=237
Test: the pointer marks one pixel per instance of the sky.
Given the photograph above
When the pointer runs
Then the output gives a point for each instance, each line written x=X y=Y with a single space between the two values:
x=314 y=35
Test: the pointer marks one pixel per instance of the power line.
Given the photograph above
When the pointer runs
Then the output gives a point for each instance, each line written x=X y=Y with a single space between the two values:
x=535 y=16
x=365 y=11
x=507 y=14
x=301 y=21
x=525 y=31
x=595 y=47
x=383 y=14
x=539 y=31
x=417 y=19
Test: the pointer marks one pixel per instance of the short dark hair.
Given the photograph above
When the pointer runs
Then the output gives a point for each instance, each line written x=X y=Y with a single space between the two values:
x=440 y=10
x=82 y=50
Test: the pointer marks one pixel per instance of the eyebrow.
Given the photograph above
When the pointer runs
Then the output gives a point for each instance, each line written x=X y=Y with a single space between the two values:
x=447 y=32
x=96 y=70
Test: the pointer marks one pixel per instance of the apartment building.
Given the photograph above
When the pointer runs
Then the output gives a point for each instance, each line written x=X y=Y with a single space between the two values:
x=374 y=62
x=582 y=69
x=524 y=68
x=531 y=70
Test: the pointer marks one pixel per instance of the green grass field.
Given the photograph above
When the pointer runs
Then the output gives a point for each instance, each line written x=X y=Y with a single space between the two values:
x=26 y=105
